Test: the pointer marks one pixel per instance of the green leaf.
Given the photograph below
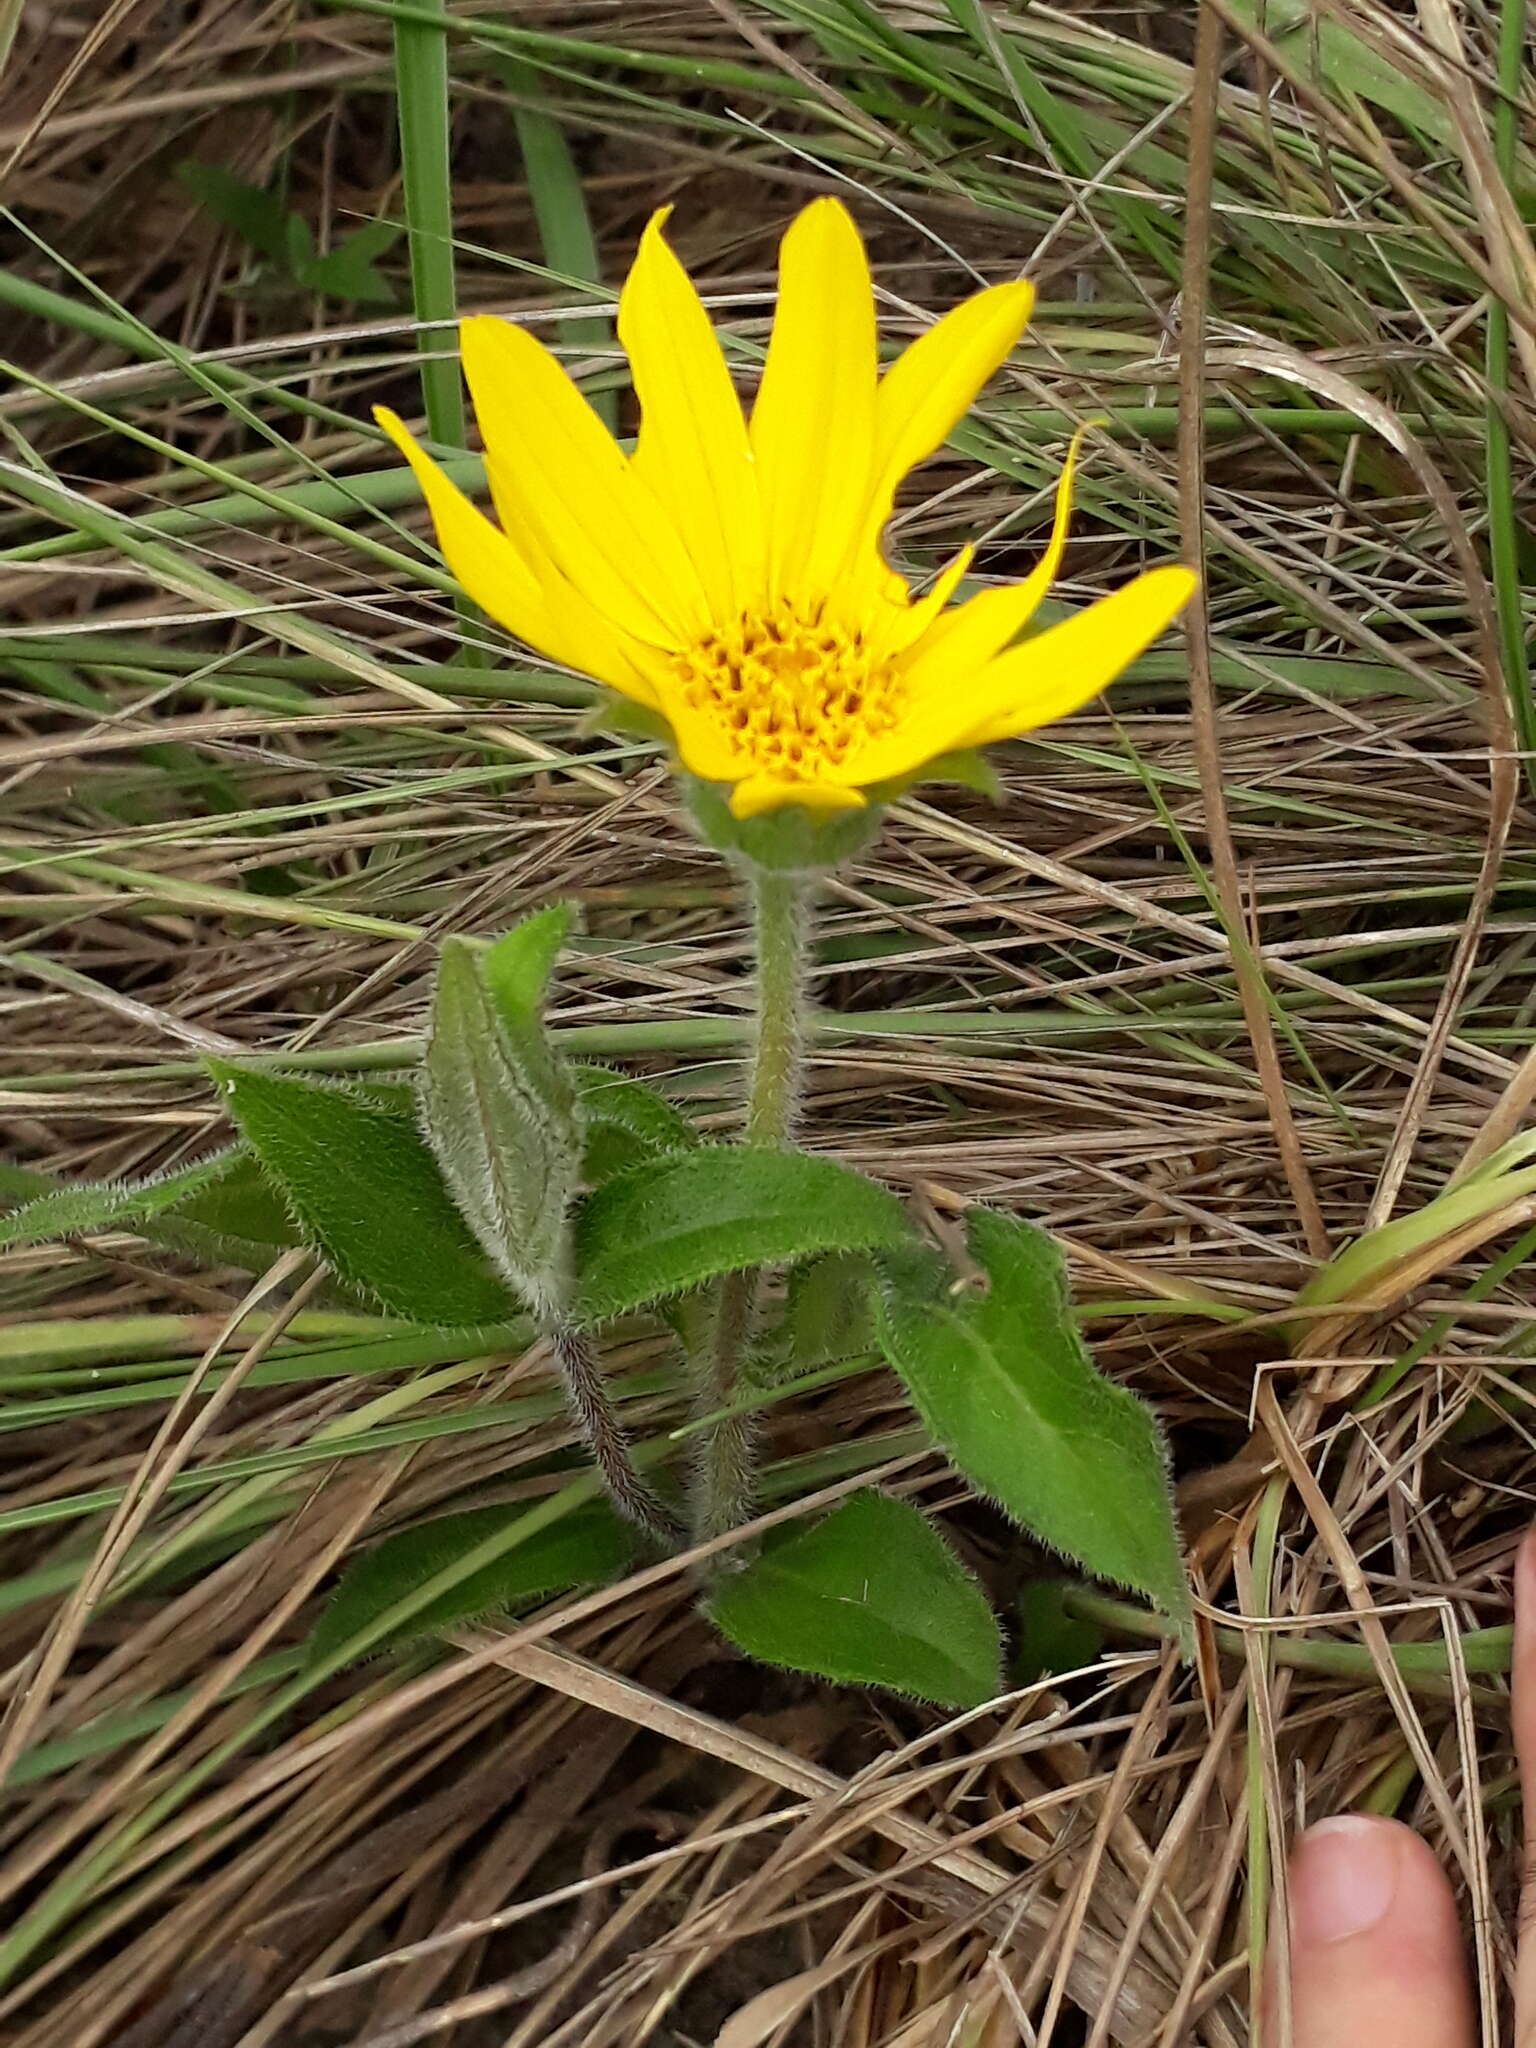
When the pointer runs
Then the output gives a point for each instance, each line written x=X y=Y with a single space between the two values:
x=518 y=966
x=375 y=238
x=499 y=1113
x=1004 y=1382
x=688 y=1217
x=298 y=246
x=366 y=1194
x=589 y=1547
x=110 y=1205
x=237 y=1219
x=1050 y=1639
x=223 y=1210
x=872 y=1595
x=827 y=1313
x=20 y=1184
x=258 y=217
x=516 y=972
x=622 y=716
x=625 y=1122
x=347 y=272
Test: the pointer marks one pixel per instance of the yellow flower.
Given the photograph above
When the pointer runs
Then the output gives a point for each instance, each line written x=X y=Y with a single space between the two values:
x=729 y=575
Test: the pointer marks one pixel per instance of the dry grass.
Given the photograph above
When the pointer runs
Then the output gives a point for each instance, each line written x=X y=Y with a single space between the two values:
x=223 y=831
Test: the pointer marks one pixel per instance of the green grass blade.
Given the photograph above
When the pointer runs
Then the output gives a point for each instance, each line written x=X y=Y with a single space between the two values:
x=421 y=80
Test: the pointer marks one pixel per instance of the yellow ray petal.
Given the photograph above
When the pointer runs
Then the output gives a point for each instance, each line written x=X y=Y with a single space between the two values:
x=556 y=619
x=1045 y=679
x=813 y=424
x=564 y=486
x=759 y=793
x=692 y=451
x=959 y=645
x=1065 y=668
x=930 y=387
x=905 y=621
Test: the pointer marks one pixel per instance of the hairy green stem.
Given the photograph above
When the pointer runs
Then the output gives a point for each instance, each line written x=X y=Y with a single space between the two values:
x=781 y=904
x=726 y=1479
x=606 y=1437
x=1426 y=1666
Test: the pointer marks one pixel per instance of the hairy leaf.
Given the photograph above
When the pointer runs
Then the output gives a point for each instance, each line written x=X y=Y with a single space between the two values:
x=827 y=1314
x=1004 y=1382
x=688 y=1217
x=872 y=1595
x=625 y=1122
x=518 y=966
x=366 y=1194
x=588 y=1547
x=499 y=1113
x=112 y=1204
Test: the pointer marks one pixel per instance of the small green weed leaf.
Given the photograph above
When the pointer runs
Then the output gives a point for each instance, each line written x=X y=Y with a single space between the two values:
x=499 y=1113
x=1004 y=1382
x=688 y=1217
x=625 y=1122
x=110 y=1205
x=587 y=1548
x=298 y=247
x=347 y=273
x=366 y=1194
x=827 y=1313
x=286 y=239
x=1050 y=1639
x=872 y=1595
x=375 y=238
x=258 y=217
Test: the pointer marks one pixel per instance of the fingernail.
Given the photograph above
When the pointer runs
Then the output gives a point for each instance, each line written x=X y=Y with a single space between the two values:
x=1343 y=1877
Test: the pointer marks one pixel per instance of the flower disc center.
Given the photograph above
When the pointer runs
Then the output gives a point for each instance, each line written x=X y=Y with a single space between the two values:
x=795 y=692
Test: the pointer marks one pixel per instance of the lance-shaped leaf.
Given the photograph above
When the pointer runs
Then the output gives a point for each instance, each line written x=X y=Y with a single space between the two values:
x=688 y=1217
x=871 y=1595
x=499 y=1111
x=366 y=1194
x=625 y=1122
x=1004 y=1382
x=587 y=1547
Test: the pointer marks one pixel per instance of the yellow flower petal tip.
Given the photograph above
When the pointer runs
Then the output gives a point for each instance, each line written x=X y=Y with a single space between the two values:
x=760 y=793
x=731 y=574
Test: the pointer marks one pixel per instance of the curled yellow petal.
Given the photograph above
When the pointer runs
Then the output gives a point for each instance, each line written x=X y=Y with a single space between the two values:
x=1029 y=686
x=1066 y=668
x=905 y=619
x=964 y=641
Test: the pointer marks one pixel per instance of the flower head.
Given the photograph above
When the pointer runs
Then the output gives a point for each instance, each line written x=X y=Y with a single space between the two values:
x=729 y=574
